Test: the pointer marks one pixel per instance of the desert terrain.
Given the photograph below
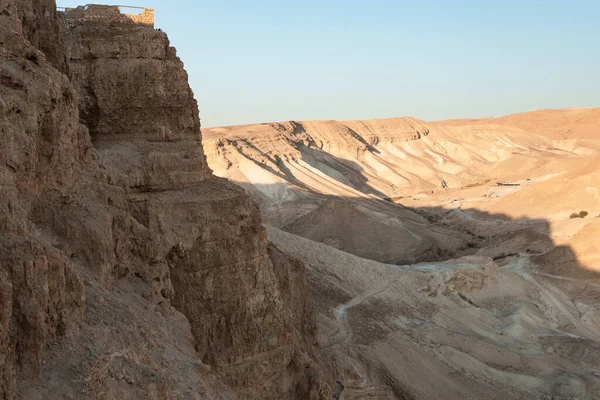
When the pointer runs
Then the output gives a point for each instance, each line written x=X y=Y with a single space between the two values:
x=446 y=259
x=142 y=257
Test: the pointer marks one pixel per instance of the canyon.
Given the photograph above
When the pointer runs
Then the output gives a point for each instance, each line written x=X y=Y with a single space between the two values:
x=144 y=257
x=452 y=259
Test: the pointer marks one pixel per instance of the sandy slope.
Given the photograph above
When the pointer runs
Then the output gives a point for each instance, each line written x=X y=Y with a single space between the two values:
x=468 y=328
x=512 y=314
x=570 y=123
x=386 y=158
x=572 y=190
x=324 y=180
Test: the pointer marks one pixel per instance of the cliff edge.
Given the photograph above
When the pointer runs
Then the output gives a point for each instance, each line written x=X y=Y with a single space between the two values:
x=127 y=269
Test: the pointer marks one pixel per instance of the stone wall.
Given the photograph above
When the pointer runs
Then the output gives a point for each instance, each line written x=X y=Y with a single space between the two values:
x=108 y=14
x=145 y=18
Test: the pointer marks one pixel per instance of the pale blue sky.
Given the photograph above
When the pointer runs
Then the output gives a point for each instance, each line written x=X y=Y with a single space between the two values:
x=268 y=60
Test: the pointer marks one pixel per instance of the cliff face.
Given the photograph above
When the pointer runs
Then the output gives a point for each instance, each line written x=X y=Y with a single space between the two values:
x=42 y=150
x=134 y=97
x=41 y=28
x=105 y=190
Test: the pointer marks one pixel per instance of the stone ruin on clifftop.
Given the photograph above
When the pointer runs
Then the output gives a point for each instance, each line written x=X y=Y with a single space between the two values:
x=108 y=14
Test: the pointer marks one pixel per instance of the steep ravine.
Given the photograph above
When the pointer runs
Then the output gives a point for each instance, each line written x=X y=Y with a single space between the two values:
x=127 y=270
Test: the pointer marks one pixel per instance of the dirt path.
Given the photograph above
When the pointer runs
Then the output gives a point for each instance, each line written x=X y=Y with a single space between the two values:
x=344 y=332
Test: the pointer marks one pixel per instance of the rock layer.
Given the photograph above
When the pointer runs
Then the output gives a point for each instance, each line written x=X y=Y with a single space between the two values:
x=328 y=180
x=43 y=148
x=105 y=190
x=143 y=118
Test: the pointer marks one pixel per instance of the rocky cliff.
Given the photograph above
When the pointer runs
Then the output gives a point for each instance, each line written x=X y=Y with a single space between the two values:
x=115 y=233
x=43 y=149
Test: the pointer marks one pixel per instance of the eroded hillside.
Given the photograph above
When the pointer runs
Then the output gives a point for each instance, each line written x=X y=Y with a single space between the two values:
x=506 y=307
x=127 y=270
x=360 y=173
x=564 y=126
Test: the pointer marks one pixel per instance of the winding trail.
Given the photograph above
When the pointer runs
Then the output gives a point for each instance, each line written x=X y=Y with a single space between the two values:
x=344 y=332
x=547 y=290
x=464 y=214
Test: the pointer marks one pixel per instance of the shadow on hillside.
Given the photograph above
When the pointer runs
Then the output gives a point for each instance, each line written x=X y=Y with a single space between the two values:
x=298 y=130
x=372 y=226
x=313 y=215
x=505 y=240
x=344 y=171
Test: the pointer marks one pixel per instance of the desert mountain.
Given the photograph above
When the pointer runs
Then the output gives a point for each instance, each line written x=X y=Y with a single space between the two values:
x=477 y=241
x=561 y=124
x=359 y=173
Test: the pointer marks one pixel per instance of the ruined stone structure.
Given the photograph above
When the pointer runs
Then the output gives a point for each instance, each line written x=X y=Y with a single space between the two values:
x=108 y=14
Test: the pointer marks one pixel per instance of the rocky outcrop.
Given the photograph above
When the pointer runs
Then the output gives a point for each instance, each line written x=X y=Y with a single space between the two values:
x=42 y=299
x=42 y=150
x=107 y=205
x=134 y=97
x=308 y=375
x=42 y=29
